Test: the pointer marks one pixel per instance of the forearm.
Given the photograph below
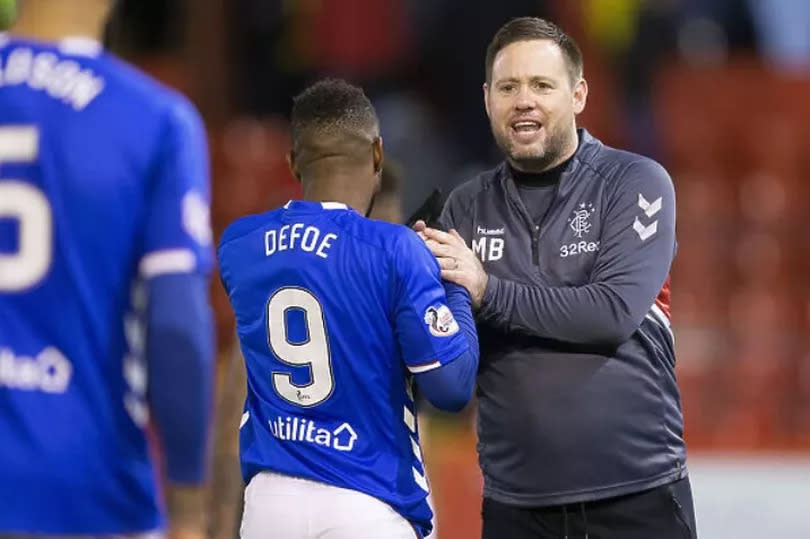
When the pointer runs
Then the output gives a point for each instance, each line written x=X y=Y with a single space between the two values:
x=180 y=353
x=227 y=489
x=598 y=313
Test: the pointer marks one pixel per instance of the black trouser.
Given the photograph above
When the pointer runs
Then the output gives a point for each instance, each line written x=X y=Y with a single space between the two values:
x=665 y=512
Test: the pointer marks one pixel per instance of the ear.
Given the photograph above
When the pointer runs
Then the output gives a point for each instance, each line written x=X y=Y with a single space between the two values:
x=377 y=154
x=486 y=99
x=291 y=163
x=580 y=95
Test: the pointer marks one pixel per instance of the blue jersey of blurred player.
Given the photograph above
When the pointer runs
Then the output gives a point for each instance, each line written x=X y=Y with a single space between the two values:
x=104 y=231
x=335 y=313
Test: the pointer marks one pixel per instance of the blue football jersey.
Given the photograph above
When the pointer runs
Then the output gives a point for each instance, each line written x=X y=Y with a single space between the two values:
x=103 y=182
x=333 y=312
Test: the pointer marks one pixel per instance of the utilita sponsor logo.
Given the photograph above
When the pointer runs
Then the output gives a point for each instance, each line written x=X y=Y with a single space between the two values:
x=295 y=429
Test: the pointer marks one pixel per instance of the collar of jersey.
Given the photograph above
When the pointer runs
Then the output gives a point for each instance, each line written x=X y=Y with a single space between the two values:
x=79 y=45
x=307 y=205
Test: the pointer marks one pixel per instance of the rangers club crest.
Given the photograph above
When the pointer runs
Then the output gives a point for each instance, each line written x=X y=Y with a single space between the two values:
x=580 y=222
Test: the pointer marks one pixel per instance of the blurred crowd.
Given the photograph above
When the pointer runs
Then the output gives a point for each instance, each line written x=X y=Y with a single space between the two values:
x=717 y=90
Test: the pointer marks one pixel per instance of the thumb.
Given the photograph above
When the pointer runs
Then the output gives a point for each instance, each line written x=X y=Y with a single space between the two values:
x=419 y=226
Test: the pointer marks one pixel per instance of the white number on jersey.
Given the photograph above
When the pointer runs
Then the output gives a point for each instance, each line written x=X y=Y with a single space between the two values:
x=27 y=205
x=313 y=353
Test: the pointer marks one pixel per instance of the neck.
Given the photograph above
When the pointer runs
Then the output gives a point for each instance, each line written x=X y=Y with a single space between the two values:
x=339 y=188
x=52 y=20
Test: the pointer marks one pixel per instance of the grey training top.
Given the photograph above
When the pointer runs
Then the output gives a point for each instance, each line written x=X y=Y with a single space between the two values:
x=576 y=387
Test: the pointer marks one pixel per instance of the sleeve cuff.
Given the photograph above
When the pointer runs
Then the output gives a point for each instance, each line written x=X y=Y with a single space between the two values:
x=488 y=308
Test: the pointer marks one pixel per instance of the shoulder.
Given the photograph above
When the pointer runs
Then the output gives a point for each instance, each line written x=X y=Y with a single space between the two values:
x=396 y=242
x=146 y=97
x=244 y=226
x=617 y=168
x=381 y=235
x=463 y=196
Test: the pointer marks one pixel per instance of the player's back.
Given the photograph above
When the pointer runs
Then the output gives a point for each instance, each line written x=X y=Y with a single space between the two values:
x=324 y=300
x=82 y=144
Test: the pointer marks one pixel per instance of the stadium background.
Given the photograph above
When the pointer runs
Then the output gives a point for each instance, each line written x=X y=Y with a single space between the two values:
x=717 y=90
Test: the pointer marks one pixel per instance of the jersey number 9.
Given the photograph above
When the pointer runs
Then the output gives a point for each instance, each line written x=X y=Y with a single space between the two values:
x=25 y=203
x=312 y=353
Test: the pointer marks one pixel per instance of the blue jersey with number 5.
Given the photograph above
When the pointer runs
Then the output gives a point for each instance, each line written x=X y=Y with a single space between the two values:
x=333 y=311
x=103 y=179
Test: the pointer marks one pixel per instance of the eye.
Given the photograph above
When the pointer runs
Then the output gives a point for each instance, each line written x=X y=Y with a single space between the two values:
x=507 y=87
x=542 y=85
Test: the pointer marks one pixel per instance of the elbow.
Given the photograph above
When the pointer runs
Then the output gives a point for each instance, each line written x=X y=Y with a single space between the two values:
x=615 y=323
x=614 y=334
x=454 y=401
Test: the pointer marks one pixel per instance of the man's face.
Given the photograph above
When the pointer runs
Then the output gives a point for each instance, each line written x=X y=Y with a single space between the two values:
x=532 y=103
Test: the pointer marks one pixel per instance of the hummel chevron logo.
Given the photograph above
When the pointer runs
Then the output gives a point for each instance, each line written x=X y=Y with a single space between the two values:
x=649 y=209
x=645 y=232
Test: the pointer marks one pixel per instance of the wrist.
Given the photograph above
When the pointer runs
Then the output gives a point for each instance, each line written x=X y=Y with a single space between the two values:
x=478 y=298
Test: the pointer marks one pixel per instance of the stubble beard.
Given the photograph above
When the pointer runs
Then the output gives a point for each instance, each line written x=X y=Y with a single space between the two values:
x=533 y=160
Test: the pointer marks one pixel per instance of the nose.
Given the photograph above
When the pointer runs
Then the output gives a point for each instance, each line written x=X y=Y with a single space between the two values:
x=524 y=99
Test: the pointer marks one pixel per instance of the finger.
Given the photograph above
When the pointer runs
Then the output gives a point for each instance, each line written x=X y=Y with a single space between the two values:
x=456 y=235
x=441 y=249
x=422 y=236
x=438 y=235
x=419 y=226
x=454 y=276
x=447 y=263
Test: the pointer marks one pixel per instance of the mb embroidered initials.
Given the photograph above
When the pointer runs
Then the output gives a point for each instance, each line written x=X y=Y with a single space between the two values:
x=650 y=209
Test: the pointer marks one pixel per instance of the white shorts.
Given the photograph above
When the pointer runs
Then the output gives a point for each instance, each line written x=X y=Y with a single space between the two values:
x=282 y=507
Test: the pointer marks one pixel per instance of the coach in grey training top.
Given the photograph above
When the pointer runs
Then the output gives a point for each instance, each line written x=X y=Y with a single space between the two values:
x=570 y=246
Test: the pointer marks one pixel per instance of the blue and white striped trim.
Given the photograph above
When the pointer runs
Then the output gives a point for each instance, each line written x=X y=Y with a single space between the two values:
x=410 y=421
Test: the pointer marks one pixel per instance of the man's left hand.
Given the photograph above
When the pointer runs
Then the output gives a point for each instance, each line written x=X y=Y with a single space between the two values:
x=457 y=261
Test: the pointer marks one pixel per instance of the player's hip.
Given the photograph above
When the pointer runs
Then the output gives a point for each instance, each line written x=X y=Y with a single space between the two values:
x=664 y=512
x=298 y=508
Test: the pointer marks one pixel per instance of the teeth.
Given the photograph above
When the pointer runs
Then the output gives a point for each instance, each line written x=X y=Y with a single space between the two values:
x=525 y=124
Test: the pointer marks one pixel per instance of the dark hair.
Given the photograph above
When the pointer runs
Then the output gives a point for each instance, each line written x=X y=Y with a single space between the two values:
x=529 y=29
x=333 y=105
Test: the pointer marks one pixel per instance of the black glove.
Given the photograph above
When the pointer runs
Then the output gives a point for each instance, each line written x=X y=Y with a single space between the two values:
x=429 y=211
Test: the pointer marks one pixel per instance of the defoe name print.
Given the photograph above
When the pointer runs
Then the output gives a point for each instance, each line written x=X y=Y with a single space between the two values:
x=298 y=236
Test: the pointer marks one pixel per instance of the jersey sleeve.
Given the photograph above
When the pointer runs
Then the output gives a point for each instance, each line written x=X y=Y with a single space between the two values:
x=426 y=330
x=178 y=218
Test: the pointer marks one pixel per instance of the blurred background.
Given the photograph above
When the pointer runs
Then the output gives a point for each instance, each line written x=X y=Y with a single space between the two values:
x=716 y=90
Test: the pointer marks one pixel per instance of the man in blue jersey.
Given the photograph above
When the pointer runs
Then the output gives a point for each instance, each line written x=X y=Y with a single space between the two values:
x=336 y=314
x=105 y=252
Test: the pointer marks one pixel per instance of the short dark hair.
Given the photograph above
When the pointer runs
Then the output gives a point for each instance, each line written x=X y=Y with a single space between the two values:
x=333 y=106
x=529 y=29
